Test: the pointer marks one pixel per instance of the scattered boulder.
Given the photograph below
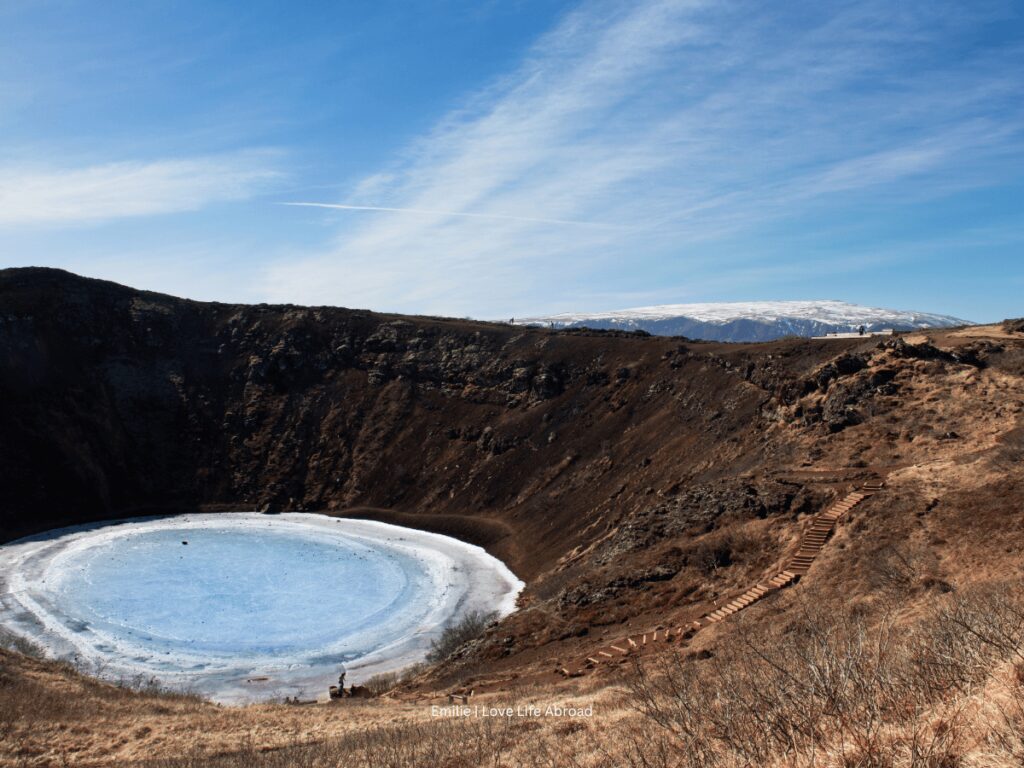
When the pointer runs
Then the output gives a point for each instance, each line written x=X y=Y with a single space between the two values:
x=969 y=355
x=844 y=365
x=354 y=692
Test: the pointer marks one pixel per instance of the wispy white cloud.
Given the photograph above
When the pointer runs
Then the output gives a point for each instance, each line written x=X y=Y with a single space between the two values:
x=63 y=196
x=424 y=212
x=679 y=122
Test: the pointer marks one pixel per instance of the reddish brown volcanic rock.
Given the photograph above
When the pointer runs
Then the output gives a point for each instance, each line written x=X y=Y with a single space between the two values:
x=119 y=402
x=624 y=477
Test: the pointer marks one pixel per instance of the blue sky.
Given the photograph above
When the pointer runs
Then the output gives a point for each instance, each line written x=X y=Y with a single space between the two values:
x=542 y=156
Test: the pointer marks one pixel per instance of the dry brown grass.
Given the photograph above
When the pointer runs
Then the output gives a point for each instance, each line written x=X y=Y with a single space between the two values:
x=52 y=715
x=862 y=690
x=859 y=691
x=891 y=670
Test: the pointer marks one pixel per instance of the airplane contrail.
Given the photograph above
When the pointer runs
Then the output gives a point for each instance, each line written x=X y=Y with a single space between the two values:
x=500 y=217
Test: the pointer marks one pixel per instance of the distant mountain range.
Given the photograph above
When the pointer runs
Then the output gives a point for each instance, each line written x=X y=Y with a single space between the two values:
x=749 y=321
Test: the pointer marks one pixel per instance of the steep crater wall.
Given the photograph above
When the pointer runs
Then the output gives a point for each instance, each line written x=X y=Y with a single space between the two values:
x=528 y=441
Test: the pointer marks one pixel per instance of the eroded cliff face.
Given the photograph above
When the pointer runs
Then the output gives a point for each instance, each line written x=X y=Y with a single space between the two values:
x=121 y=402
x=618 y=474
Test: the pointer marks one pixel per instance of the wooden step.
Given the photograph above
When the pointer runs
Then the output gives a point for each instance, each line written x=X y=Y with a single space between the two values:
x=811 y=544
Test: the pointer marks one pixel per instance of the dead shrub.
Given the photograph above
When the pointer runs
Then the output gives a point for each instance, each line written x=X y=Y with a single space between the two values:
x=387 y=681
x=468 y=627
x=718 y=550
x=899 y=569
x=851 y=690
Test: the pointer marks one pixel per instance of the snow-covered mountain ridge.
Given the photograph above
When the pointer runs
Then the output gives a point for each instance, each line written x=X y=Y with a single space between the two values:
x=749 y=321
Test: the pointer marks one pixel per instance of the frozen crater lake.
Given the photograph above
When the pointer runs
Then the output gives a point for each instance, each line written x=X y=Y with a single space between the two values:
x=244 y=606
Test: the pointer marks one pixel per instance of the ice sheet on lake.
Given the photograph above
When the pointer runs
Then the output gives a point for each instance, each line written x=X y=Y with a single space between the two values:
x=252 y=606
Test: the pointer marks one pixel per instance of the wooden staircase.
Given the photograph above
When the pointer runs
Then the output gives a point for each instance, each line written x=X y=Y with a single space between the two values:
x=811 y=543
